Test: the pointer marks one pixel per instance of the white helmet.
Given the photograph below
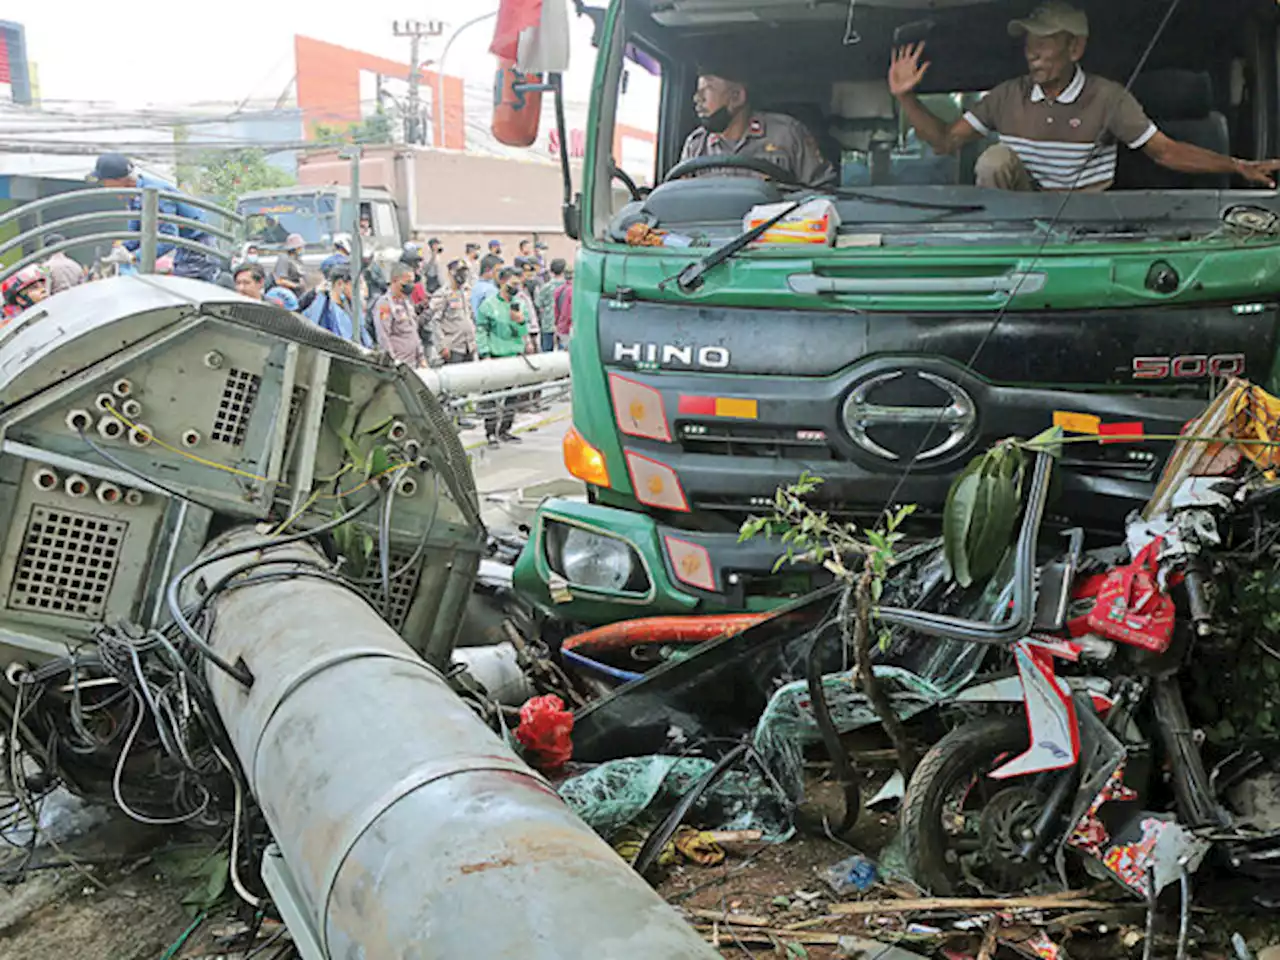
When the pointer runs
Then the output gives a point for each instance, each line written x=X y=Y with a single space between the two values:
x=342 y=241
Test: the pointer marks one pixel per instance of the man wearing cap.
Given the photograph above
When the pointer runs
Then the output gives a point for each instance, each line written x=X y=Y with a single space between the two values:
x=731 y=128
x=288 y=271
x=341 y=256
x=116 y=171
x=1059 y=128
x=495 y=248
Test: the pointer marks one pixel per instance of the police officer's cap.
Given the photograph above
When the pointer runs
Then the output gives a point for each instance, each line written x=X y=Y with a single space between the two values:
x=111 y=166
x=725 y=69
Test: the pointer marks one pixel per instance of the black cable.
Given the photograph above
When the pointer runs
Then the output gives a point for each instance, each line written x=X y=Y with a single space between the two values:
x=845 y=773
x=239 y=672
x=664 y=831
x=116 y=462
x=422 y=543
x=1035 y=259
x=266 y=944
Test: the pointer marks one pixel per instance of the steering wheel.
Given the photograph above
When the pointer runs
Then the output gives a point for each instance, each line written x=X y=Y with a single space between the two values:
x=695 y=165
x=617 y=173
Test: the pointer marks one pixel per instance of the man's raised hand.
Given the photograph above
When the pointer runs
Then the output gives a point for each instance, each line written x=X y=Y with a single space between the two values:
x=906 y=71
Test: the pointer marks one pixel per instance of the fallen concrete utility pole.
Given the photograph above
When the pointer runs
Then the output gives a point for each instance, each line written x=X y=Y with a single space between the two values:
x=405 y=827
x=488 y=376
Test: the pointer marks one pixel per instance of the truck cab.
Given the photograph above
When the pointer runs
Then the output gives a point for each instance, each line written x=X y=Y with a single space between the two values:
x=943 y=316
x=318 y=214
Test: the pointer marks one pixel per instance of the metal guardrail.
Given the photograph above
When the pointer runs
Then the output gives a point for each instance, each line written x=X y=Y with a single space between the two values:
x=150 y=219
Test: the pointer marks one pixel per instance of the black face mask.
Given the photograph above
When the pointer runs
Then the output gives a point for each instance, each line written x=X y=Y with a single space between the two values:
x=460 y=277
x=719 y=121
x=406 y=287
x=512 y=290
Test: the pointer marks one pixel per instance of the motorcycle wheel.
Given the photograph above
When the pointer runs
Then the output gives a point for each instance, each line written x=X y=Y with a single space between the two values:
x=960 y=829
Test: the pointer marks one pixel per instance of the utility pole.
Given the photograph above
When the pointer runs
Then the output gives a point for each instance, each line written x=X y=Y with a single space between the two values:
x=354 y=153
x=415 y=30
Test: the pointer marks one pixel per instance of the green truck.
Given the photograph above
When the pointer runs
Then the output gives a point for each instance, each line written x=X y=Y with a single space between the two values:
x=943 y=317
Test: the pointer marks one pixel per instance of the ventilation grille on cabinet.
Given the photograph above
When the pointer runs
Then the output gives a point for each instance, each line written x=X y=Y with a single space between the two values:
x=66 y=564
x=236 y=407
x=402 y=588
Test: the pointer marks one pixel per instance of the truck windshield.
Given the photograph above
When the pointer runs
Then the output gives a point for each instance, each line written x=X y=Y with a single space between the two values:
x=270 y=220
x=823 y=67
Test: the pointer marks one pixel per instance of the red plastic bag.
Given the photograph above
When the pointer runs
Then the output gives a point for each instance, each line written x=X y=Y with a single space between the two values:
x=1131 y=608
x=545 y=726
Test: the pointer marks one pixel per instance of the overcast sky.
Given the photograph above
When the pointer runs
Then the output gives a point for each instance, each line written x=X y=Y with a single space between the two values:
x=140 y=54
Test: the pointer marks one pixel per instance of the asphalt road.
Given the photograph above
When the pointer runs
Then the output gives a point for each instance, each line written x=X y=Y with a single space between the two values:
x=514 y=478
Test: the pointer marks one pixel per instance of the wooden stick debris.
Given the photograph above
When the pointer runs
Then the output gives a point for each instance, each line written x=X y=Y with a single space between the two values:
x=1071 y=901
x=735 y=836
x=721 y=916
x=769 y=935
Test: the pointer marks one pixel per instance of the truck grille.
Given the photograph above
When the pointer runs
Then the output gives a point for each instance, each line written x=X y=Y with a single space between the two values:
x=754 y=440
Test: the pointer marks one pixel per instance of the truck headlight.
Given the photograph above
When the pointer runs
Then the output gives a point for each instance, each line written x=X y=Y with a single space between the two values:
x=594 y=560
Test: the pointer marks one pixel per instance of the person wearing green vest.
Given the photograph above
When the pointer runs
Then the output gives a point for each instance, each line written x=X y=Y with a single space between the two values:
x=500 y=332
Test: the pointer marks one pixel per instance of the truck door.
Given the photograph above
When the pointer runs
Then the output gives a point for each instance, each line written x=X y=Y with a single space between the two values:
x=385 y=228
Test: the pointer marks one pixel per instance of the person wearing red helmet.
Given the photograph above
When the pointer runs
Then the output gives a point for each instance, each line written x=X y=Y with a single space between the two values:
x=24 y=289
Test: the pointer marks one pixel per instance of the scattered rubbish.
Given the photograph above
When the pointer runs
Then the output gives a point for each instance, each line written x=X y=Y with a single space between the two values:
x=889 y=796
x=62 y=816
x=497 y=668
x=1039 y=945
x=923 y=930
x=693 y=846
x=698 y=846
x=613 y=795
x=854 y=874
x=545 y=728
x=862 y=948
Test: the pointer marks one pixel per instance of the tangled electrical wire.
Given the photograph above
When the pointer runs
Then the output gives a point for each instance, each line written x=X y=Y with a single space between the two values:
x=130 y=719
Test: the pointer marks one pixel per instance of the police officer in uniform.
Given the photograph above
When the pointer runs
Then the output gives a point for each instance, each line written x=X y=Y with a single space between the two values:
x=449 y=315
x=395 y=322
x=731 y=128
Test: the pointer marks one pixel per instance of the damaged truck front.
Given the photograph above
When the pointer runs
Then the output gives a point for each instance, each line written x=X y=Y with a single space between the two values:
x=938 y=318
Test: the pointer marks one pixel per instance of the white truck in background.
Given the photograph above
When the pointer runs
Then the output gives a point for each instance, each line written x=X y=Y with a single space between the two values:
x=452 y=194
x=318 y=214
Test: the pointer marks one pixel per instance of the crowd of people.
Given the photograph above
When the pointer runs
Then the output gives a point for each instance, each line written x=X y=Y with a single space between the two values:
x=424 y=311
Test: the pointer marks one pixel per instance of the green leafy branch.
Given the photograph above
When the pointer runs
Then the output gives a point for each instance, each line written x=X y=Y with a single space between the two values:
x=861 y=559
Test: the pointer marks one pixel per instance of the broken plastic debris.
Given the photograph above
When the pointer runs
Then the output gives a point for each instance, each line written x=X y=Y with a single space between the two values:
x=544 y=731
x=855 y=874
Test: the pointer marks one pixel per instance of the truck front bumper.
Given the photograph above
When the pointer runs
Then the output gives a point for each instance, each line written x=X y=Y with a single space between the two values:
x=596 y=564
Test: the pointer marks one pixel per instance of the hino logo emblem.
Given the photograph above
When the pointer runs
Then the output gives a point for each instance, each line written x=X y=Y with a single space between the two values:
x=668 y=354
x=955 y=422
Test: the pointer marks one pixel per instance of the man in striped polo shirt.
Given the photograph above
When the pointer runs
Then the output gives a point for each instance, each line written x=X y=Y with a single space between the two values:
x=1059 y=128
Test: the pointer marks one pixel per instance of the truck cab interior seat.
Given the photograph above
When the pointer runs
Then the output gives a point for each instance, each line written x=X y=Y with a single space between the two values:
x=1181 y=104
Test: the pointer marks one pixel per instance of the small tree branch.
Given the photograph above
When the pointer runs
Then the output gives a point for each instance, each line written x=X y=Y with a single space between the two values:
x=879 y=700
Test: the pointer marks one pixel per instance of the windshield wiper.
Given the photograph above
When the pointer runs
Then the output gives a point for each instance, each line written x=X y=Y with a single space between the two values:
x=911 y=204
x=690 y=278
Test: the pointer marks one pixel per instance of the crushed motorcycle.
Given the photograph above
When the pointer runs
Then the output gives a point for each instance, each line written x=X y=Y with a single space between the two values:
x=1088 y=755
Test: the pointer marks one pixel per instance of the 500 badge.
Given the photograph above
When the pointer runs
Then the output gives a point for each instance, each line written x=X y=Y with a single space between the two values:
x=1195 y=366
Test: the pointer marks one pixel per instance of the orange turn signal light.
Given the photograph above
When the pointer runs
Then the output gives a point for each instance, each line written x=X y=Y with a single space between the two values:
x=584 y=461
x=691 y=563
